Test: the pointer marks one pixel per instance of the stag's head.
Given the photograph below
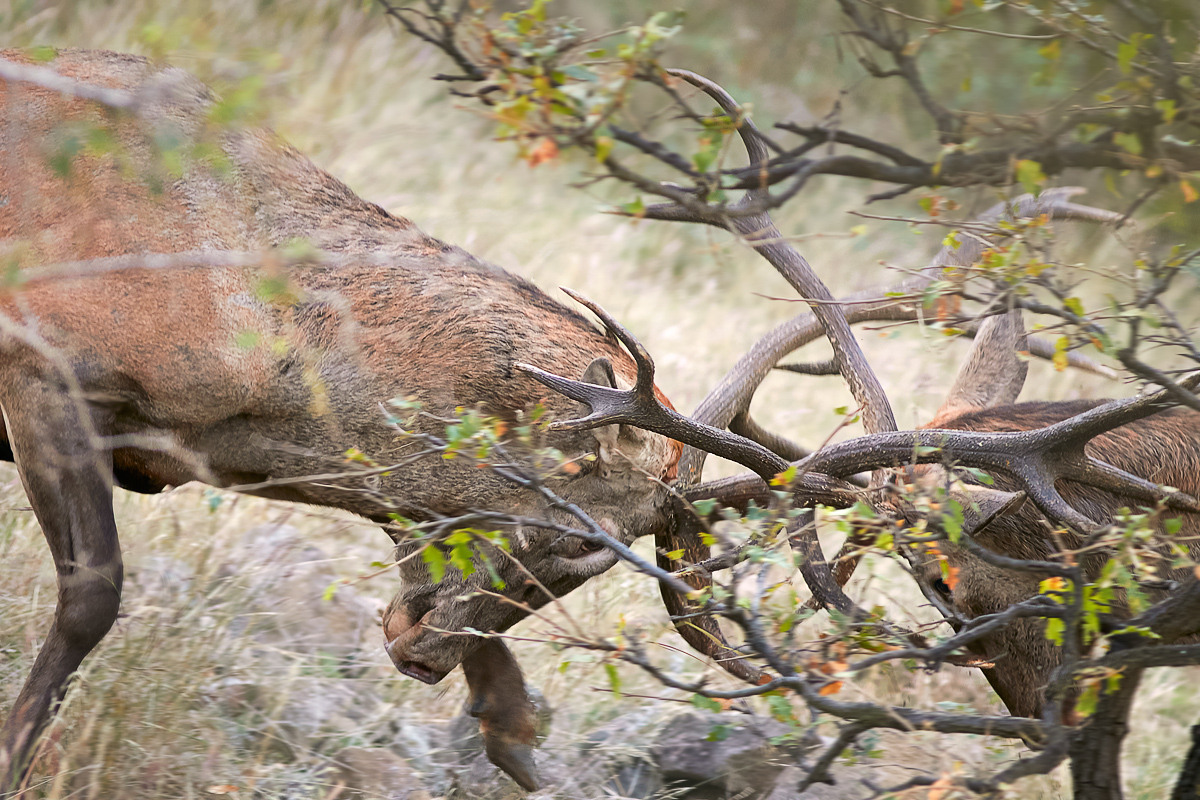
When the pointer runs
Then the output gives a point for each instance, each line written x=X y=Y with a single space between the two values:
x=614 y=478
x=1020 y=654
x=1006 y=524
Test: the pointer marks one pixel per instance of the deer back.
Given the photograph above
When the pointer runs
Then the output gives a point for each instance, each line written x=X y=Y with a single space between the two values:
x=163 y=177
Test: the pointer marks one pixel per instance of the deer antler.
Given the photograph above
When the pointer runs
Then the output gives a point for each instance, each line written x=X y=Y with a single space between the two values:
x=640 y=407
x=1037 y=458
x=733 y=393
x=759 y=231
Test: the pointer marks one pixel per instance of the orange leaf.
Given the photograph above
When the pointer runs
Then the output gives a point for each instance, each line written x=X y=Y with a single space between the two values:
x=939 y=788
x=952 y=577
x=1196 y=572
x=1189 y=192
x=546 y=150
x=570 y=468
x=830 y=688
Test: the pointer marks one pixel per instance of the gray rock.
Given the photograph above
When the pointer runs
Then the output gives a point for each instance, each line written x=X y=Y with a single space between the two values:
x=739 y=760
x=286 y=581
x=638 y=779
x=373 y=772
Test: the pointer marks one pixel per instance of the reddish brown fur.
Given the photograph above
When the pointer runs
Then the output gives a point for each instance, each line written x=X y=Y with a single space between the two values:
x=1164 y=448
x=154 y=355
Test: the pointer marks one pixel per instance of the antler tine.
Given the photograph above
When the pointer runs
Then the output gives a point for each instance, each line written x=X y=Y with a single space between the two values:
x=752 y=137
x=1048 y=455
x=641 y=408
x=641 y=356
x=1061 y=454
x=607 y=404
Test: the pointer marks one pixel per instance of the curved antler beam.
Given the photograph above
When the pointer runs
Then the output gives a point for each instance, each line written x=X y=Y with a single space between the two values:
x=734 y=392
x=759 y=231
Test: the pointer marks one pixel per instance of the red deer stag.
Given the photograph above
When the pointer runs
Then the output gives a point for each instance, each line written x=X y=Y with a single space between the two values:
x=1078 y=462
x=146 y=371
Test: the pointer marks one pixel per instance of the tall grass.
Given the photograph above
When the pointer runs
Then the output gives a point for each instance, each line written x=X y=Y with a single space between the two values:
x=227 y=669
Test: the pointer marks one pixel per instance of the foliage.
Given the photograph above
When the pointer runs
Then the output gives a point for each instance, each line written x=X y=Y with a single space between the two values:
x=1113 y=91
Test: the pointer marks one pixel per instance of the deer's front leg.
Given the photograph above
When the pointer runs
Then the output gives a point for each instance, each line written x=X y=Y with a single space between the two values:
x=69 y=483
x=508 y=718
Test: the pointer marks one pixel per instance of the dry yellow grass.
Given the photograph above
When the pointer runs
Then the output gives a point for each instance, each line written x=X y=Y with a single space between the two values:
x=195 y=687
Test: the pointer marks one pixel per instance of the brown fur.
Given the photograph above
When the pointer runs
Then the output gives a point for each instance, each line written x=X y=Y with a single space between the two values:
x=1164 y=448
x=146 y=377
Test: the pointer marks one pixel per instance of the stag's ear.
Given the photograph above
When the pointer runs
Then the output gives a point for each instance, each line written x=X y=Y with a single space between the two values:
x=981 y=506
x=600 y=372
x=993 y=373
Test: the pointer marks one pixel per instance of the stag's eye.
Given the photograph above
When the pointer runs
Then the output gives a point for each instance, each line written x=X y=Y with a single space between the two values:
x=575 y=547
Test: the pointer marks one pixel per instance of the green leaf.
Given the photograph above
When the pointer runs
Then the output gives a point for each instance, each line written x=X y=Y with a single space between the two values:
x=784 y=478
x=710 y=149
x=1054 y=630
x=579 y=73
x=978 y=475
x=604 y=146
x=1052 y=54
x=1167 y=109
x=435 y=561
x=1127 y=51
x=781 y=708
x=330 y=591
x=952 y=519
x=705 y=703
x=1129 y=142
x=1086 y=704
x=1030 y=175
x=460 y=557
x=704 y=507
x=719 y=733
x=634 y=208
x=614 y=679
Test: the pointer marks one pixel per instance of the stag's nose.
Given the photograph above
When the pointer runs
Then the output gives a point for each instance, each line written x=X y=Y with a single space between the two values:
x=400 y=631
